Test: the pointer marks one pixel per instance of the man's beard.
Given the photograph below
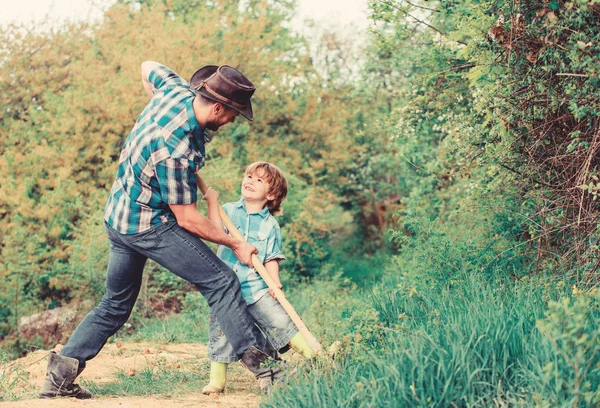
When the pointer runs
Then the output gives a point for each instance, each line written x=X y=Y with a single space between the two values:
x=212 y=126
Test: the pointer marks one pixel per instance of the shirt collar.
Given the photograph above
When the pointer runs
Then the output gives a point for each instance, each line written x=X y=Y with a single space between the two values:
x=263 y=213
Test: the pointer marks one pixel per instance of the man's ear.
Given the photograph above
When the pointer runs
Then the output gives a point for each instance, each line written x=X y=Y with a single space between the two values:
x=217 y=108
x=270 y=197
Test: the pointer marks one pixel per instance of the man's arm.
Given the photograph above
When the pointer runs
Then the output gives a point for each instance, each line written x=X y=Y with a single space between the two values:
x=190 y=219
x=147 y=67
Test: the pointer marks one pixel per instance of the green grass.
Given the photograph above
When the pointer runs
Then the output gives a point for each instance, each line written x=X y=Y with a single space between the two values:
x=190 y=326
x=466 y=344
x=177 y=328
x=161 y=379
x=14 y=380
x=154 y=381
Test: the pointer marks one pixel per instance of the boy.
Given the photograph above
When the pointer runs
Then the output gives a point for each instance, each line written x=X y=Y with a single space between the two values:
x=264 y=188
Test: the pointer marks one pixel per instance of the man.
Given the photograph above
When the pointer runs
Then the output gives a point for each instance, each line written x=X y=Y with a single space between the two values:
x=151 y=213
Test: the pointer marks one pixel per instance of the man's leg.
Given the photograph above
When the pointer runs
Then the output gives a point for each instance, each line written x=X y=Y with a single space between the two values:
x=189 y=257
x=123 y=283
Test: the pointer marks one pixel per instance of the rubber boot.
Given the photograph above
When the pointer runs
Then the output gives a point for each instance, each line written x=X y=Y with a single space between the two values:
x=266 y=370
x=218 y=378
x=300 y=344
x=60 y=375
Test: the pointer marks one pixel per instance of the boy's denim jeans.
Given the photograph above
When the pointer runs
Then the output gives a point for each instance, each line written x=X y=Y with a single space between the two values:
x=185 y=255
x=270 y=317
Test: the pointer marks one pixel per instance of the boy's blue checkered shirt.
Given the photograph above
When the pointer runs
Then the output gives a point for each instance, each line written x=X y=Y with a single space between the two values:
x=159 y=158
x=260 y=229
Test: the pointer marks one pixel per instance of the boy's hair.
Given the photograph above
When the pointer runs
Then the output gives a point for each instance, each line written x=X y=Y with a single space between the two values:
x=277 y=183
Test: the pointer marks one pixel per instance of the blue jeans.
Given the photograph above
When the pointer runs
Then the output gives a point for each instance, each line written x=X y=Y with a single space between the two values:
x=182 y=253
x=268 y=315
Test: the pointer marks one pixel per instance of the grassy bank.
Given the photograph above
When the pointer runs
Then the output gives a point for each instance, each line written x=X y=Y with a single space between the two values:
x=465 y=343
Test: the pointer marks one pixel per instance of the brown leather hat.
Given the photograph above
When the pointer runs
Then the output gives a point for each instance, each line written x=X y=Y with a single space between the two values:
x=226 y=85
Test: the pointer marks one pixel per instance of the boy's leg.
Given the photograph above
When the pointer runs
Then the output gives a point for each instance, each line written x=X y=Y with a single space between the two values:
x=273 y=320
x=220 y=353
x=218 y=379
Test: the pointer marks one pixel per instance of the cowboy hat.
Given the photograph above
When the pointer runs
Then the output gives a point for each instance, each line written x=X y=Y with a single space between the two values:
x=225 y=85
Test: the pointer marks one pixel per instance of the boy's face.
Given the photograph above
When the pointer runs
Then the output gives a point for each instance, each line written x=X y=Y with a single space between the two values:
x=256 y=188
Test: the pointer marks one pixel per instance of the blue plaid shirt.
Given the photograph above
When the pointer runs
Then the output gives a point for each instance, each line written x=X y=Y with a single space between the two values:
x=159 y=158
x=260 y=229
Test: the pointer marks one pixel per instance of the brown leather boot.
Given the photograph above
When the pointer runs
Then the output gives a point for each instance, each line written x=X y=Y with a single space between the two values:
x=60 y=375
x=266 y=370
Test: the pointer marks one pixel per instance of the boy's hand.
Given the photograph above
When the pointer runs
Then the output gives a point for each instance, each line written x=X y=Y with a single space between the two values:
x=243 y=251
x=211 y=195
x=272 y=292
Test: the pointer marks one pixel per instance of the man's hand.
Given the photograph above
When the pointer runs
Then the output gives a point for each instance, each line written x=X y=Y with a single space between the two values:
x=211 y=196
x=243 y=251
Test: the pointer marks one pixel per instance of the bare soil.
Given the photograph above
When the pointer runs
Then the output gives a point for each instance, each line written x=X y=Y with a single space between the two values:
x=242 y=390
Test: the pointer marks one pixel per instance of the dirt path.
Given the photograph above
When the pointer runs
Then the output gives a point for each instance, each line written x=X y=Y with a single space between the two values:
x=131 y=358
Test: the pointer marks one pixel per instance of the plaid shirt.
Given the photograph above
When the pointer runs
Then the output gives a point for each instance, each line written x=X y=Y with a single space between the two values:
x=159 y=158
x=261 y=230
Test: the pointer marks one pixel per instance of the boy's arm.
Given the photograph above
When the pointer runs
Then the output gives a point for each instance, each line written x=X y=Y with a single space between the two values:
x=212 y=200
x=273 y=268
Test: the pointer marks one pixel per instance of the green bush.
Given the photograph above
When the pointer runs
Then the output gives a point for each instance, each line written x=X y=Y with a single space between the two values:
x=572 y=328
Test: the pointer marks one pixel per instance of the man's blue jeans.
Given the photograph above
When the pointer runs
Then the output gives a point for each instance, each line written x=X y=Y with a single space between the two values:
x=182 y=253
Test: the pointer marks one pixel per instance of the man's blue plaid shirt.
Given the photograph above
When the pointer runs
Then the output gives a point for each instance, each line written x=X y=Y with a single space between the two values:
x=159 y=158
x=260 y=229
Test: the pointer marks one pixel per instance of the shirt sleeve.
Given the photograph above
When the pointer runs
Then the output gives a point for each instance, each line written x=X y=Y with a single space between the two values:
x=176 y=180
x=273 y=251
x=161 y=77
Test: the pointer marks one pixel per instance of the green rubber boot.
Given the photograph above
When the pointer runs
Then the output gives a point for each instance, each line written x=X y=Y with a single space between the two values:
x=218 y=379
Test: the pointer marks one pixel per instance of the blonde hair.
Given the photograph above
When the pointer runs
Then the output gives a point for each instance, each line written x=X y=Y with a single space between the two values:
x=277 y=184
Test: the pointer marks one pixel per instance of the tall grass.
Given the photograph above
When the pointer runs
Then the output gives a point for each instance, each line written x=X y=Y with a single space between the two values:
x=465 y=344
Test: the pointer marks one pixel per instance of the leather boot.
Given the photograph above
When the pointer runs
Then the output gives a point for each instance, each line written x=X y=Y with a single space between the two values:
x=60 y=375
x=266 y=370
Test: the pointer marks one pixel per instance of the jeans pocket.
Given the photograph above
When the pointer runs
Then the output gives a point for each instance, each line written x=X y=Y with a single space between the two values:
x=146 y=240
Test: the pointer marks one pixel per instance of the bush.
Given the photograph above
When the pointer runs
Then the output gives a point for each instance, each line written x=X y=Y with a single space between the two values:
x=572 y=328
